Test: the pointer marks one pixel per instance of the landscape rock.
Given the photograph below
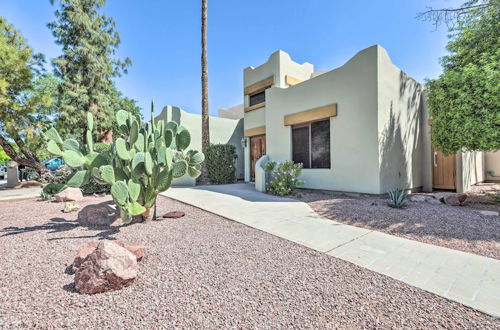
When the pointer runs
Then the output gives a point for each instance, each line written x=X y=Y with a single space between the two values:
x=138 y=250
x=109 y=267
x=489 y=213
x=455 y=199
x=69 y=195
x=418 y=198
x=97 y=215
x=70 y=207
x=174 y=214
x=432 y=200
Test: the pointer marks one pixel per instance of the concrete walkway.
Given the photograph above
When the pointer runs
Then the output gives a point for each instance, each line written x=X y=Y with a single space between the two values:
x=463 y=277
x=18 y=193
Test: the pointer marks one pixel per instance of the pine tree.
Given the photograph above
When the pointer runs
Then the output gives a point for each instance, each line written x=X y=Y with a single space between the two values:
x=87 y=65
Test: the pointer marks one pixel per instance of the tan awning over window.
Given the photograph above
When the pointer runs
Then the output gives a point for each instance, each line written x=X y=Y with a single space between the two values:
x=307 y=116
x=255 y=131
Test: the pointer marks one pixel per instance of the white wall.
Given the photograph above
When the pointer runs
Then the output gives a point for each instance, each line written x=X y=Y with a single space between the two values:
x=354 y=136
x=236 y=112
x=400 y=123
x=222 y=130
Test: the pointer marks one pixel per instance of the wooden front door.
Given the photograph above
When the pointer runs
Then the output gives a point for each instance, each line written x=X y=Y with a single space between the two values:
x=257 y=150
x=443 y=170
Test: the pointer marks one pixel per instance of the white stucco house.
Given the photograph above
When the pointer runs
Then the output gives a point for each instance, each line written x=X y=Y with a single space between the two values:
x=362 y=127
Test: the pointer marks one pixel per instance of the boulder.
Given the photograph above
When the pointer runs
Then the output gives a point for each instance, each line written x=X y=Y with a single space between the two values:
x=138 y=250
x=70 y=207
x=455 y=199
x=109 y=267
x=418 y=198
x=489 y=213
x=69 y=195
x=432 y=200
x=97 y=215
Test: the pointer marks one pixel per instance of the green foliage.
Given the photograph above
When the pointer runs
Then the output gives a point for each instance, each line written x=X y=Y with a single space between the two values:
x=398 y=198
x=3 y=156
x=464 y=101
x=87 y=66
x=61 y=176
x=495 y=198
x=221 y=163
x=45 y=196
x=26 y=102
x=136 y=171
x=284 y=179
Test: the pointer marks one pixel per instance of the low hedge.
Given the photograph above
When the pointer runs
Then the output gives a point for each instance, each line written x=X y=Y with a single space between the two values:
x=220 y=160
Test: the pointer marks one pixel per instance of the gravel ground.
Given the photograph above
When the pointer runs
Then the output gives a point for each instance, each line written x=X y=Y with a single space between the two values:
x=201 y=271
x=457 y=227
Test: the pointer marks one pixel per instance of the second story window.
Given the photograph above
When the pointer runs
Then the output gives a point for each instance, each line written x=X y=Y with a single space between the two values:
x=257 y=98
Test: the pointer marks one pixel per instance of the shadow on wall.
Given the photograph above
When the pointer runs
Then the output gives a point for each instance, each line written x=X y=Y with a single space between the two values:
x=400 y=143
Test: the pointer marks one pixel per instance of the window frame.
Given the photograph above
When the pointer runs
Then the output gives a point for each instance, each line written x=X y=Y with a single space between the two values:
x=309 y=125
x=254 y=94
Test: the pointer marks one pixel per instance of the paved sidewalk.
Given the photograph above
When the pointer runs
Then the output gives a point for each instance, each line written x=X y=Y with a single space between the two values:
x=463 y=277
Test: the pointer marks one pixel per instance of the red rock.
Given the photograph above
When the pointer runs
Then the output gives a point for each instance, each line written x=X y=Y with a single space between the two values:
x=138 y=250
x=97 y=215
x=455 y=199
x=109 y=267
x=174 y=214
x=69 y=195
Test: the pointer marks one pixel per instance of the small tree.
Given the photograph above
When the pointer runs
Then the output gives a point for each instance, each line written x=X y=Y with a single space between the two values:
x=141 y=163
x=25 y=98
x=464 y=101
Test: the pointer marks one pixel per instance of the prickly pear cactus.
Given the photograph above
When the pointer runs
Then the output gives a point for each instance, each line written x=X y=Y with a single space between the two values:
x=141 y=164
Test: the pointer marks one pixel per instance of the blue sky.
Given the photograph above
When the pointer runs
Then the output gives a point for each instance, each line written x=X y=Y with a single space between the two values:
x=163 y=40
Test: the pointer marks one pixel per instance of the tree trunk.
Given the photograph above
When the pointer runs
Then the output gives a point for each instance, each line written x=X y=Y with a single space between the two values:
x=205 y=135
x=30 y=159
x=149 y=214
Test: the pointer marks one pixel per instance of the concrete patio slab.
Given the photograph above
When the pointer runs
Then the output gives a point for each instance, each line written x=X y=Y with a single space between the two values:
x=463 y=277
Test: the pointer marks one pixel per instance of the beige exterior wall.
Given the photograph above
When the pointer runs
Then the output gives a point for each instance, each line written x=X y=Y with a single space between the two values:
x=470 y=169
x=222 y=130
x=400 y=135
x=492 y=166
x=353 y=133
x=236 y=112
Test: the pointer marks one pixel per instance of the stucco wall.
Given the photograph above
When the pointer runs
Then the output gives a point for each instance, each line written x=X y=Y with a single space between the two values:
x=236 y=112
x=400 y=135
x=492 y=166
x=470 y=169
x=222 y=130
x=354 y=135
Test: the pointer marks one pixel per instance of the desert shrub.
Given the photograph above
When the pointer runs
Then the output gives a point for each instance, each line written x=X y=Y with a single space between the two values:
x=398 y=198
x=495 y=198
x=221 y=163
x=284 y=177
x=94 y=187
x=45 y=196
x=60 y=176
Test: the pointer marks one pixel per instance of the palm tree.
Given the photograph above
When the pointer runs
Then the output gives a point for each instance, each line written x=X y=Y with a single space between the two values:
x=205 y=136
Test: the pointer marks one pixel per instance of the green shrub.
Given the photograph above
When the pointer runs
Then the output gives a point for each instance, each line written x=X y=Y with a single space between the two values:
x=221 y=163
x=398 y=198
x=45 y=196
x=284 y=177
x=94 y=187
x=60 y=176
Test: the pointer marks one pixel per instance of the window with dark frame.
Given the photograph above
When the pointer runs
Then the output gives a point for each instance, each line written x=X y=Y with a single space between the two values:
x=311 y=144
x=257 y=98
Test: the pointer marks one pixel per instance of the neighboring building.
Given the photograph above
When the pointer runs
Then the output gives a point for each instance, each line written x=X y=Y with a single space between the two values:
x=362 y=127
x=222 y=130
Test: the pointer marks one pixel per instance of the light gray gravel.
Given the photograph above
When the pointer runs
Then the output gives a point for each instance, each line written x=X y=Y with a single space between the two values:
x=201 y=271
x=461 y=228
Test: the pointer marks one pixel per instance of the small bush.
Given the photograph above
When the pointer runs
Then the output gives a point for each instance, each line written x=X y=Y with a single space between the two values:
x=94 y=187
x=45 y=196
x=220 y=160
x=60 y=176
x=495 y=198
x=398 y=198
x=284 y=177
